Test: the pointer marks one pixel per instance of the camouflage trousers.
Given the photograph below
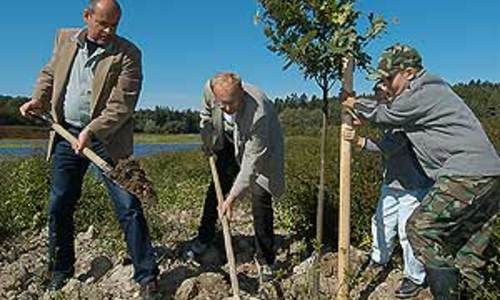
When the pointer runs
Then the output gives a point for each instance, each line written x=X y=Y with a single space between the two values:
x=453 y=225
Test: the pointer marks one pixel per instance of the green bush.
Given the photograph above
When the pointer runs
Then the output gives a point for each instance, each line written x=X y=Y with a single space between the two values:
x=23 y=195
x=181 y=180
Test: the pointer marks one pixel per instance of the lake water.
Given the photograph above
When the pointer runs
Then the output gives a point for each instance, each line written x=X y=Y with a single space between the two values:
x=139 y=149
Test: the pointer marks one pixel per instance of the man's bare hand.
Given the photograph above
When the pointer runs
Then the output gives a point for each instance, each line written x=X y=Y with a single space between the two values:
x=207 y=150
x=83 y=141
x=356 y=120
x=349 y=134
x=33 y=105
x=227 y=208
x=349 y=103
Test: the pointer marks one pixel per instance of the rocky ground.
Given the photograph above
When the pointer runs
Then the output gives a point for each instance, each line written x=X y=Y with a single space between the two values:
x=101 y=273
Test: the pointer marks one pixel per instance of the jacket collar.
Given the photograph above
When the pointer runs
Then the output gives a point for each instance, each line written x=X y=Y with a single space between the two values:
x=81 y=35
x=417 y=80
x=243 y=105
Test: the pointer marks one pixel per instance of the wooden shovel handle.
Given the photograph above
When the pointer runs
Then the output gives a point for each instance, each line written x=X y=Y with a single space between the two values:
x=215 y=177
x=91 y=155
x=226 y=231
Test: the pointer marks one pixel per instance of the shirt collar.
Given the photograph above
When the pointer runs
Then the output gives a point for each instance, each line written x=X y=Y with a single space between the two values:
x=80 y=39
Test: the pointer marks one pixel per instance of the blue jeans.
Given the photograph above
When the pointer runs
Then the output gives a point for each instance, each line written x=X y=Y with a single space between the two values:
x=68 y=170
x=393 y=210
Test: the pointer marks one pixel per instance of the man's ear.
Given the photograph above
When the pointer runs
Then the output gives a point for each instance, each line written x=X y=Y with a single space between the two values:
x=410 y=73
x=86 y=15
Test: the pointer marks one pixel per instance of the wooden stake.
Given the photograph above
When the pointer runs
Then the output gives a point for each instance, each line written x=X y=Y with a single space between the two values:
x=345 y=190
x=226 y=231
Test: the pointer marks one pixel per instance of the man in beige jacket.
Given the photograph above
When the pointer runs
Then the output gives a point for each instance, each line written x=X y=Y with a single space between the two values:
x=240 y=126
x=91 y=86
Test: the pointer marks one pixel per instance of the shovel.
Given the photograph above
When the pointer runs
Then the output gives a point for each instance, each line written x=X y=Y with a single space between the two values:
x=226 y=231
x=127 y=174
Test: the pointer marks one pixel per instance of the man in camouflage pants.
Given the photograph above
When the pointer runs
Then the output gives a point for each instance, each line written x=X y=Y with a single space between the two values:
x=451 y=228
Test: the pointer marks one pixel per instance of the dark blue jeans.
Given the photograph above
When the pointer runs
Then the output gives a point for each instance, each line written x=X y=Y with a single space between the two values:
x=68 y=170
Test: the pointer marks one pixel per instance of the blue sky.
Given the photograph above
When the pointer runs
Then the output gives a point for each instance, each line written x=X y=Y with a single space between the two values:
x=185 y=42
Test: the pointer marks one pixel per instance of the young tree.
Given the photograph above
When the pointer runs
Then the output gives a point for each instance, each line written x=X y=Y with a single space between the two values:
x=317 y=36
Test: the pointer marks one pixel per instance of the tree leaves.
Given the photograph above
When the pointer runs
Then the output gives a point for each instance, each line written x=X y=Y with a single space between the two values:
x=316 y=35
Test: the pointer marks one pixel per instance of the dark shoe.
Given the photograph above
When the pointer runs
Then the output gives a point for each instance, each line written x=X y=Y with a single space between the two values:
x=58 y=280
x=408 y=289
x=373 y=268
x=443 y=283
x=373 y=265
x=151 y=290
x=196 y=248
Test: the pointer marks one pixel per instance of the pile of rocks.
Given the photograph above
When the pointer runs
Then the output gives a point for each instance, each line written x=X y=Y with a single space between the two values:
x=103 y=274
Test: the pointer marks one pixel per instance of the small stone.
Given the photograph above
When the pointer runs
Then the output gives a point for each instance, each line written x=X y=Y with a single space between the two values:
x=87 y=235
x=99 y=267
x=304 y=266
x=90 y=280
x=187 y=290
x=11 y=294
x=25 y=296
x=33 y=289
x=205 y=286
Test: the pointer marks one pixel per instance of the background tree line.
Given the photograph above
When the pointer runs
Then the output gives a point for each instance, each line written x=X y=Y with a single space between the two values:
x=299 y=114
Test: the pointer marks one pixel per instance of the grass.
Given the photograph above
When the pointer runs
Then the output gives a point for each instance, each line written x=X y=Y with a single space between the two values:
x=139 y=138
x=15 y=143
x=23 y=132
x=148 y=138
x=181 y=179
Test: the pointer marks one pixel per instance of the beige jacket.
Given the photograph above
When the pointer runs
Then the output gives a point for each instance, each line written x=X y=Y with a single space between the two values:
x=115 y=90
x=258 y=140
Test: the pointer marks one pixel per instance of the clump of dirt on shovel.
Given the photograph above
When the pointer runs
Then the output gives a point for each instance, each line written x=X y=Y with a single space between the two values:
x=131 y=176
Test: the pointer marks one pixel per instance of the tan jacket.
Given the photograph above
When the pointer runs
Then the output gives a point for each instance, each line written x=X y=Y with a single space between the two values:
x=258 y=140
x=115 y=90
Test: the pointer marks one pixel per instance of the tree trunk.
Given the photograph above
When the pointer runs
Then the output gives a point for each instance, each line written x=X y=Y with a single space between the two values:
x=321 y=198
x=321 y=191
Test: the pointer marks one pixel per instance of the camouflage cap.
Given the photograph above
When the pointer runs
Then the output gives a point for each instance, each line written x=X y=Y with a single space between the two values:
x=395 y=58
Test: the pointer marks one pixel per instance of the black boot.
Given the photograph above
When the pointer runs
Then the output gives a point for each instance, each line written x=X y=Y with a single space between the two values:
x=443 y=283
x=58 y=280
x=151 y=290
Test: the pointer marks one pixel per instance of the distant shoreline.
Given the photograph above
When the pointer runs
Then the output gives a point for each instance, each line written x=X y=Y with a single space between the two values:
x=17 y=134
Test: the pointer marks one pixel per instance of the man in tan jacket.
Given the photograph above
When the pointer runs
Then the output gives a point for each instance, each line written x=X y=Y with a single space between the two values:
x=240 y=126
x=91 y=86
